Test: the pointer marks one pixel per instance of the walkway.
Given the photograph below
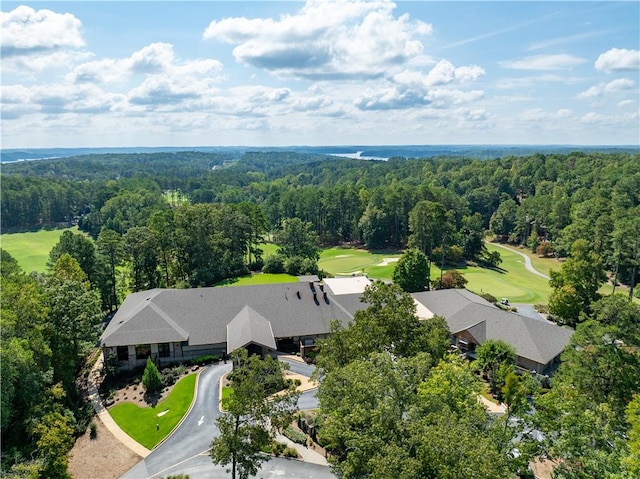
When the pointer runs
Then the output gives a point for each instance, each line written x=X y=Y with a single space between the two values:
x=527 y=260
x=104 y=415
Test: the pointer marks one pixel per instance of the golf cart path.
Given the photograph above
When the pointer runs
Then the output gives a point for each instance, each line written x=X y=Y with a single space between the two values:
x=527 y=260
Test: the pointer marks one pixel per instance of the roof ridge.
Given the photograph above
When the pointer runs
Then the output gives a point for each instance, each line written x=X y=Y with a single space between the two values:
x=169 y=320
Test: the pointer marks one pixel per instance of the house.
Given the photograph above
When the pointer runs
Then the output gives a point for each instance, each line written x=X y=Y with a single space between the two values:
x=171 y=325
x=473 y=320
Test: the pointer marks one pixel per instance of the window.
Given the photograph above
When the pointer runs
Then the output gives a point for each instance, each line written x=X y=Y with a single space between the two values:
x=123 y=353
x=163 y=350
x=143 y=351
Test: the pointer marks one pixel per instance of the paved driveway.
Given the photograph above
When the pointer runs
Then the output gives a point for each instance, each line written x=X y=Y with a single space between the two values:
x=185 y=451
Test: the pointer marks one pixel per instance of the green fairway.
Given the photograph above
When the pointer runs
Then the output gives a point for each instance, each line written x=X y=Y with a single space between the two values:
x=31 y=249
x=175 y=198
x=344 y=261
x=268 y=249
x=260 y=278
x=144 y=425
x=512 y=281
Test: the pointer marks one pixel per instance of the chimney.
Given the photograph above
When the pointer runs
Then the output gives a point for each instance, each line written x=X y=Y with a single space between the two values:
x=315 y=299
x=312 y=287
x=326 y=299
x=298 y=294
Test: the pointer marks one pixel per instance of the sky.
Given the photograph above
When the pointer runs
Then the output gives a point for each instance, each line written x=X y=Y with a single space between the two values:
x=266 y=73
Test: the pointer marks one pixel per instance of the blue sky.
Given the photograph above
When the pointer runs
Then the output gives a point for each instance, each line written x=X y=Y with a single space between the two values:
x=149 y=73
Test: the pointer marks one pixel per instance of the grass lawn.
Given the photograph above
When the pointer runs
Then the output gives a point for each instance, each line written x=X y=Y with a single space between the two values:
x=31 y=249
x=512 y=281
x=140 y=423
x=343 y=261
x=261 y=278
x=227 y=392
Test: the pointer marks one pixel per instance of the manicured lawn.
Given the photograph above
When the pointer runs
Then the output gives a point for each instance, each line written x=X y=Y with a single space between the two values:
x=31 y=249
x=268 y=249
x=140 y=423
x=227 y=392
x=261 y=278
x=343 y=261
x=512 y=281
x=544 y=265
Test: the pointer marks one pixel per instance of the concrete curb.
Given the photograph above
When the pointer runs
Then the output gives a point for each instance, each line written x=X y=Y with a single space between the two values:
x=193 y=401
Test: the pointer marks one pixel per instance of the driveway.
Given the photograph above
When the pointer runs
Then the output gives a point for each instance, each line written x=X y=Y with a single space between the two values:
x=185 y=451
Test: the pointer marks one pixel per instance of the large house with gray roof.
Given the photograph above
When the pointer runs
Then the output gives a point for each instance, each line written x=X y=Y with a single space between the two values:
x=171 y=325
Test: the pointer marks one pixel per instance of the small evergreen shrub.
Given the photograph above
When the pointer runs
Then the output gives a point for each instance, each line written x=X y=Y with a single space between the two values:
x=296 y=436
x=290 y=452
x=151 y=378
x=202 y=360
x=93 y=430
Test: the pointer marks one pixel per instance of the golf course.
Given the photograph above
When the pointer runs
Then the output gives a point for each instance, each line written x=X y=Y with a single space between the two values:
x=510 y=280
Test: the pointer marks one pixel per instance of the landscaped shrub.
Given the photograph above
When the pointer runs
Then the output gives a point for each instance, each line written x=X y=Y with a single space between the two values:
x=274 y=264
x=93 y=430
x=202 y=360
x=277 y=448
x=295 y=435
x=290 y=452
x=489 y=297
x=151 y=378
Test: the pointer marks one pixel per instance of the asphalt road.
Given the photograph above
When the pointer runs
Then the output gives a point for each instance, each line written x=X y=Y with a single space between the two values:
x=185 y=451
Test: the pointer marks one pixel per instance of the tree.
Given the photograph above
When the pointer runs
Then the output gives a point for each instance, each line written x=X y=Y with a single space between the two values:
x=140 y=247
x=80 y=247
x=450 y=279
x=74 y=312
x=576 y=285
x=388 y=324
x=151 y=379
x=583 y=415
x=297 y=238
x=110 y=247
x=495 y=359
x=254 y=414
x=428 y=225
x=412 y=271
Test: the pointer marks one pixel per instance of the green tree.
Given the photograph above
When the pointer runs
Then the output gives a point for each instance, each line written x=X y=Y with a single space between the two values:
x=412 y=271
x=151 y=379
x=495 y=359
x=297 y=238
x=80 y=247
x=389 y=323
x=141 y=248
x=74 y=313
x=576 y=285
x=110 y=247
x=428 y=226
x=253 y=414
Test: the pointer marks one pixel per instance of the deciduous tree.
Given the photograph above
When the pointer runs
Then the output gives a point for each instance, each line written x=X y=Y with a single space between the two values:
x=253 y=414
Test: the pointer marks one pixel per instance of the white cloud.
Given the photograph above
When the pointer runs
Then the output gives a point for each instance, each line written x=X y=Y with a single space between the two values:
x=625 y=103
x=538 y=114
x=156 y=58
x=621 y=84
x=543 y=62
x=25 y=31
x=618 y=59
x=37 y=40
x=627 y=119
x=338 y=39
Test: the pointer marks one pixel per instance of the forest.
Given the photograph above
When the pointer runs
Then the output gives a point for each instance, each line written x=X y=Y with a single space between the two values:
x=584 y=207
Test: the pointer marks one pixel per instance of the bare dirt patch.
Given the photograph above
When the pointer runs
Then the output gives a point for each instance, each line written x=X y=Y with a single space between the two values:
x=101 y=458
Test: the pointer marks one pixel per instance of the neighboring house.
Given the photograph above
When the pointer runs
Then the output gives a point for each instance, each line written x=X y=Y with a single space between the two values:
x=472 y=321
x=172 y=325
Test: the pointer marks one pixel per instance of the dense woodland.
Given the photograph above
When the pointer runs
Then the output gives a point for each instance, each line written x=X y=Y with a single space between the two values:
x=585 y=207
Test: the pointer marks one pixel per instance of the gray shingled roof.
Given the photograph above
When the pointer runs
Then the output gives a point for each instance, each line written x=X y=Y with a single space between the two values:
x=200 y=316
x=249 y=327
x=205 y=312
x=534 y=339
